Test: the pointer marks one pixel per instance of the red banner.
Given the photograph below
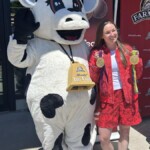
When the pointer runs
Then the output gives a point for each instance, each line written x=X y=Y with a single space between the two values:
x=135 y=30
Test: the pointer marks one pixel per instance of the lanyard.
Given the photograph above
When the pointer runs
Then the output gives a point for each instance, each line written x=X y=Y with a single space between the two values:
x=70 y=57
x=100 y=53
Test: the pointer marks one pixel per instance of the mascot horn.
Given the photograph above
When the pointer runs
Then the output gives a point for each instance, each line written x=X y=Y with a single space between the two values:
x=60 y=94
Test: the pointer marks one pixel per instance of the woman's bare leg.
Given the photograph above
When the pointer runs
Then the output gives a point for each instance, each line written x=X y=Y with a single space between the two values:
x=104 y=137
x=124 y=137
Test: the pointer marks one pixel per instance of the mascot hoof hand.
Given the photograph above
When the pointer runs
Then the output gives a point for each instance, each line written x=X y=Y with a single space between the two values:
x=25 y=25
x=49 y=103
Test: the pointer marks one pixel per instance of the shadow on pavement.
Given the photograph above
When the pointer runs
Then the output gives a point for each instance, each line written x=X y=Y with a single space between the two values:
x=17 y=131
x=144 y=128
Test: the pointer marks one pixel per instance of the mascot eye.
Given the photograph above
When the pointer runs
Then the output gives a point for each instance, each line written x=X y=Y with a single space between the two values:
x=77 y=5
x=55 y=5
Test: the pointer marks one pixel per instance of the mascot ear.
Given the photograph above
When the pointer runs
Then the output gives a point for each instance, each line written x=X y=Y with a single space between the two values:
x=28 y=3
x=90 y=5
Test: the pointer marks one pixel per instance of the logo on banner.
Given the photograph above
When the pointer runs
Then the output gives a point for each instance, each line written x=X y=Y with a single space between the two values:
x=148 y=92
x=90 y=44
x=147 y=64
x=144 y=14
x=148 y=36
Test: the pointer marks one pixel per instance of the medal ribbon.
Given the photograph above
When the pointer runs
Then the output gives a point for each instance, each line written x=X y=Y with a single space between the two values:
x=134 y=74
x=100 y=53
x=103 y=68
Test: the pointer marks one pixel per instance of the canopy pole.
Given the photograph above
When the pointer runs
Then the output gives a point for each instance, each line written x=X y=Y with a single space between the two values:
x=115 y=11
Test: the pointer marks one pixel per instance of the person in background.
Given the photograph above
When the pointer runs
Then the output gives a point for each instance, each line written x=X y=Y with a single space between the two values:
x=115 y=67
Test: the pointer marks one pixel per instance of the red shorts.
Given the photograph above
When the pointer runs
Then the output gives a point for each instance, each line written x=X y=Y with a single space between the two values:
x=119 y=113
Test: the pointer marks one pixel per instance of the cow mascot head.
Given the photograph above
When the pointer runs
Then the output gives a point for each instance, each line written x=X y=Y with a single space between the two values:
x=48 y=40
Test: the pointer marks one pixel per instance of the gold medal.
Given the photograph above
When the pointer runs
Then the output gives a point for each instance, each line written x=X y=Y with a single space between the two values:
x=134 y=59
x=100 y=62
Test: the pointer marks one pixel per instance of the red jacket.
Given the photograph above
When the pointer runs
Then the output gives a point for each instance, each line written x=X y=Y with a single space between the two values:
x=103 y=76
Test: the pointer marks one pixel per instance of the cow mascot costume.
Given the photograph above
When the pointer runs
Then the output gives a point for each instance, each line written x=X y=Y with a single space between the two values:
x=62 y=112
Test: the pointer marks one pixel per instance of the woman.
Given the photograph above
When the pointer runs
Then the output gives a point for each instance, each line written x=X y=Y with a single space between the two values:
x=115 y=73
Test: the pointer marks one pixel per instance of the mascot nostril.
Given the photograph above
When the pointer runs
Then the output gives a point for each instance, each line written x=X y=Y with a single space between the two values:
x=69 y=19
x=59 y=94
x=83 y=19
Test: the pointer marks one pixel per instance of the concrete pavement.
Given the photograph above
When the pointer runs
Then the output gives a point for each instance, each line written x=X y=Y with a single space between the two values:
x=17 y=133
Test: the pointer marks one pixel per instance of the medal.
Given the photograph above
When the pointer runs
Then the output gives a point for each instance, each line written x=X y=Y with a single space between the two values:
x=134 y=59
x=100 y=62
